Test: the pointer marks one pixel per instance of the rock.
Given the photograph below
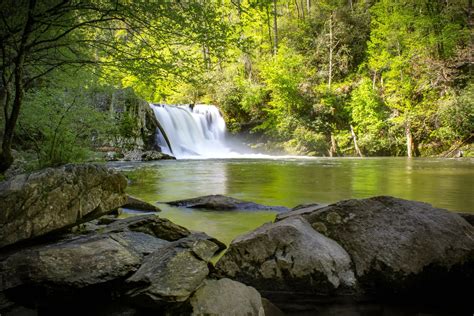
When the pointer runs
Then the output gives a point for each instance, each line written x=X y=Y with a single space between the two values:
x=72 y=264
x=136 y=204
x=203 y=246
x=300 y=210
x=288 y=256
x=469 y=217
x=88 y=227
x=155 y=155
x=139 y=155
x=57 y=198
x=107 y=219
x=141 y=243
x=221 y=202
x=226 y=297
x=169 y=275
x=401 y=246
x=270 y=309
x=150 y=224
x=112 y=156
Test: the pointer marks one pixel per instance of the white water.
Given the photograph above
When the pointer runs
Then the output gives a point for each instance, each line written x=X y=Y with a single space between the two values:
x=198 y=132
x=194 y=132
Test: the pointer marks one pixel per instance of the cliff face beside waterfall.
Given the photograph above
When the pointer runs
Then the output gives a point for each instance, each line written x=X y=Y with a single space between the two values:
x=135 y=121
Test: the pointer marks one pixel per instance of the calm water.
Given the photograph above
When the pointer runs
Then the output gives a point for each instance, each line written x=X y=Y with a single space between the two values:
x=443 y=183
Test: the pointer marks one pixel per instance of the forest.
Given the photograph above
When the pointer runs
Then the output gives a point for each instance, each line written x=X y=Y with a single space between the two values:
x=307 y=77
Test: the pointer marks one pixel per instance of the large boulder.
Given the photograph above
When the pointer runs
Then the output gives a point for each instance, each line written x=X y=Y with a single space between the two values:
x=57 y=198
x=223 y=203
x=171 y=274
x=95 y=267
x=288 y=256
x=226 y=297
x=71 y=264
x=401 y=246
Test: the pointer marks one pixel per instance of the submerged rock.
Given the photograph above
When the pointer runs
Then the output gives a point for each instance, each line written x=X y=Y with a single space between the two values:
x=400 y=246
x=222 y=203
x=288 y=256
x=226 y=297
x=57 y=198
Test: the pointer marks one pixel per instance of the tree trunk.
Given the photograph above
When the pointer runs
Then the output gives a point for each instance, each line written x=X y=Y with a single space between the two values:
x=113 y=100
x=330 y=51
x=308 y=7
x=297 y=8
x=270 y=37
x=275 y=28
x=354 y=138
x=302 y=10
x=6 y=158
x=410 y=144
x=374 y=79
x=333 y=149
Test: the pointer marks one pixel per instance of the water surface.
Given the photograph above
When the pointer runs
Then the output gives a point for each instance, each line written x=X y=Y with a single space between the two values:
x=444 y=183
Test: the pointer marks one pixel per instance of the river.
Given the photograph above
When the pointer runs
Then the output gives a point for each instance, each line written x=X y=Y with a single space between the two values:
x=444 y=183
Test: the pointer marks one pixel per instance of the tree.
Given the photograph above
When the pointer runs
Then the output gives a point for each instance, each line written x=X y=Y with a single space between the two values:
x=407 y=43
x=140 y=38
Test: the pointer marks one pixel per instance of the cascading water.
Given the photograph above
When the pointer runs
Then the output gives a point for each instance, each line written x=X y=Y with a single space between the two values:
x=192 y=131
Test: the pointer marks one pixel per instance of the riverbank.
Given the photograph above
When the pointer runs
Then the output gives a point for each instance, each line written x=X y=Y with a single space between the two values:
x=360 y=256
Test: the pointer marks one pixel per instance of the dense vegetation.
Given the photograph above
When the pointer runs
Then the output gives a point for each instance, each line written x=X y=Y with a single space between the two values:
x=321 y=77
x=351 y=77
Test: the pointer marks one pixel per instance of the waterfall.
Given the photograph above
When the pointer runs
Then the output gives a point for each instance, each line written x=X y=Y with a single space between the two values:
x=192 y=131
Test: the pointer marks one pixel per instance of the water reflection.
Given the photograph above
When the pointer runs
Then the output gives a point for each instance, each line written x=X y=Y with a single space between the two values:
x=443 y=183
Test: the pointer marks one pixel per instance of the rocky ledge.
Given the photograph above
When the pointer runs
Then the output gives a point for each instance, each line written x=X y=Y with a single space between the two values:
x=343 y=258
x=139 y=265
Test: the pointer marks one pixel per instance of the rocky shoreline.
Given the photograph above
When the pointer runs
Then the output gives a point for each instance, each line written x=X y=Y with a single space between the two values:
x=61 y=252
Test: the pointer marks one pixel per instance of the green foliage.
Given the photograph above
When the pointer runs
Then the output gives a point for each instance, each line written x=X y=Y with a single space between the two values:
x=369 y=117
x=283 y=74
x=456 y=116
x=61 y=126
x=303 y=73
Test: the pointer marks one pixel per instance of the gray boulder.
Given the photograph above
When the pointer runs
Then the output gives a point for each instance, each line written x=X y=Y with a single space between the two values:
x=57 y=198
x=77 y=263
x=288 y=256
x=170 y=275
x=398 y=245
x=223 y=203
x=226 y=297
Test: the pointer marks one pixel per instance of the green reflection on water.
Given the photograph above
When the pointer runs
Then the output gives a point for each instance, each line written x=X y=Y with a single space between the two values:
x=444 y=183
